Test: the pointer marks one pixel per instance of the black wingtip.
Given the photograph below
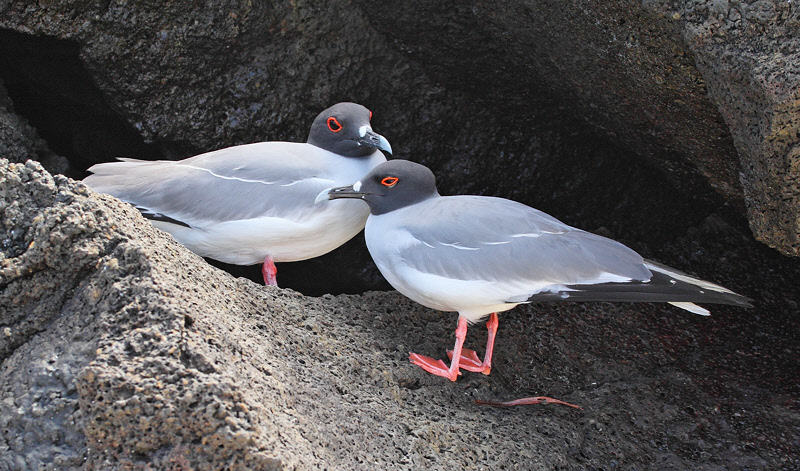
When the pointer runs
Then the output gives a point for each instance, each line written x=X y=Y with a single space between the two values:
x=160 y=217
x=660 y=288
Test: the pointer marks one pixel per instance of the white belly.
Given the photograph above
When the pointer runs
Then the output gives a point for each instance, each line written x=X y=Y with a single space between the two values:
x=247 y=242
x=472 y=299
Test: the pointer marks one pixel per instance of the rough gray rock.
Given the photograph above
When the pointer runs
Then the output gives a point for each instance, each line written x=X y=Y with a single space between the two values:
x=121 y=349
x=749 y=54
x=237 y=73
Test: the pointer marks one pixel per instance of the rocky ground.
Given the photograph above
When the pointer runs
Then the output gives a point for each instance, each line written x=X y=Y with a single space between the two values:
x=124 y=350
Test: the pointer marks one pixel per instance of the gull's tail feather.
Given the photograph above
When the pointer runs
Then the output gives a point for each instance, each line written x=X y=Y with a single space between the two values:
x=666 y=285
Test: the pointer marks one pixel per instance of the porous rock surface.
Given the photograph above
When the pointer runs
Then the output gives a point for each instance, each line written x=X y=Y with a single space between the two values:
x=749 y=55
x=122 y=350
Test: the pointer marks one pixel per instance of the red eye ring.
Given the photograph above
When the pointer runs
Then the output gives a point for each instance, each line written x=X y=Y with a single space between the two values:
x=334 y=125
x=370 y=115
x=390 y=181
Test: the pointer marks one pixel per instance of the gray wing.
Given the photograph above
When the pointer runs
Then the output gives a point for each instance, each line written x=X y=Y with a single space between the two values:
x=494 y=239
x=277 y=179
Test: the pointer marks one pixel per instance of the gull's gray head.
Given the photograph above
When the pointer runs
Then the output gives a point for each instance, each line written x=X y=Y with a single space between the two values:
x=345 y=130
x=389 y=186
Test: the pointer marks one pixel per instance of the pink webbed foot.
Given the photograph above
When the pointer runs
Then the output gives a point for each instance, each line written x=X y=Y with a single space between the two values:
x=527 y=400
x=438 y=367
x=432 y=366
x=270 y=272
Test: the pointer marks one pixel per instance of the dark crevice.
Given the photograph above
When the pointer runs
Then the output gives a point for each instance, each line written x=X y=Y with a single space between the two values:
x=50 y=87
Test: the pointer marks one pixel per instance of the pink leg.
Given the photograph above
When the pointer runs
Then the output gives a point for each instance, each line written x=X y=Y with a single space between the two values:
x=438 y=367
x=270 y=272
x=469 y=359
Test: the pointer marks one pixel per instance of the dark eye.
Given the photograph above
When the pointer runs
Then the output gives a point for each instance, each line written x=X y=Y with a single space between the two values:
x=389 y=181
x=333 y=124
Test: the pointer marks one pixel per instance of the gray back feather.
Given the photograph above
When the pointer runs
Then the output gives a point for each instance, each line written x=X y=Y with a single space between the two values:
x=480 y=238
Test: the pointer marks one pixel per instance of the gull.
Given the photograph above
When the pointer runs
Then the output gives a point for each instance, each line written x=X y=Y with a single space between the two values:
x=255 y=202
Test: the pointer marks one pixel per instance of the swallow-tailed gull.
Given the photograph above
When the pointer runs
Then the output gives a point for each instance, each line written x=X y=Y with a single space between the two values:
x=481 y=255
x=255 y=202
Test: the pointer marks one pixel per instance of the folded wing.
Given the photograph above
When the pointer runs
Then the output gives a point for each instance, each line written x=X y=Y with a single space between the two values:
x=275 y=179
